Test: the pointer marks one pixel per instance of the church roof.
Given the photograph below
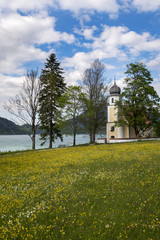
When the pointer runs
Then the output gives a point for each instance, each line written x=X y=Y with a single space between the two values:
x=115 y=89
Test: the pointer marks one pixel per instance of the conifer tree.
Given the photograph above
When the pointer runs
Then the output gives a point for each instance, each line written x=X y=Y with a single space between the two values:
x=53 y=86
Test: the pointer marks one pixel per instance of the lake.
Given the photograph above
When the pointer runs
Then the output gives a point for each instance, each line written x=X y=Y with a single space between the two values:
x=23 y=142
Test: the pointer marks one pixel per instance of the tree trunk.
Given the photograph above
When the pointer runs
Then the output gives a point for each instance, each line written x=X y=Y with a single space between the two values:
x=92 y=134
x=74 y=131
x=92 y=138
x=74 y=139
x=33 y=134
x=50 y=143
x=136 y=132
x=33 y=139
x=50 y=134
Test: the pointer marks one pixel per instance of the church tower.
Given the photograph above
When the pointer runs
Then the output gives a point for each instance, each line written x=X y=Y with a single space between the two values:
x=112 y=131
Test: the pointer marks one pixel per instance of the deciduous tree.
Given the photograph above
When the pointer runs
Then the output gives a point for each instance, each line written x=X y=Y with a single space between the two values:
x=96 y=98
x=25 y=105
x=72 y=108
x=138 y=105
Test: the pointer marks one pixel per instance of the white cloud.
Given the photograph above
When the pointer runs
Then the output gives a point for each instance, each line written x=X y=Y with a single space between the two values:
x=84 y=18
x=154 y=63
x=146 y=5
x=156 y=85
x=75 y=66
x=79 y=61
x=73 y=76
x=109 y=6
x=82 y=60
x=12 y=84
x=87 y=32
x=25 y=5
x=140 y=5
x=115 y=42
x=20 y=37
x=37 y=28
x=112 y=7
x=119 y=42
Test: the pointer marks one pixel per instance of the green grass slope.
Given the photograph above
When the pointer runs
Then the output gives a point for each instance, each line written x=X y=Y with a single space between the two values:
x=91 y=192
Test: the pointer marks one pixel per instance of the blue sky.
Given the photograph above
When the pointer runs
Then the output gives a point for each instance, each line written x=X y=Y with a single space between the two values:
x=117 y=32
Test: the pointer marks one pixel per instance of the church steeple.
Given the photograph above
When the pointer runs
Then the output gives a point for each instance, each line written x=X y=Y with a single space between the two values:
x=112 y=130
x=115 y=90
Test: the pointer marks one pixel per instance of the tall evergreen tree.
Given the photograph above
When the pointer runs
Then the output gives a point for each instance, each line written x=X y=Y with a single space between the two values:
x=53 y=86
x=138 y=105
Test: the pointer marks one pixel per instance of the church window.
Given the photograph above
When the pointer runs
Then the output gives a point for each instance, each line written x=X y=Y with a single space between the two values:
x=112 y=129
x=112 y=136
x=112 y=100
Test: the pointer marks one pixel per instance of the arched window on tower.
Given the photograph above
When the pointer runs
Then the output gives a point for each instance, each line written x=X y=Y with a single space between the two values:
x=112 y=128
x=112 y=100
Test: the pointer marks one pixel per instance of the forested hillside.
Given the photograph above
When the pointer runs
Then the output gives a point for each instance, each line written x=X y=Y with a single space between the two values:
x=8 y=127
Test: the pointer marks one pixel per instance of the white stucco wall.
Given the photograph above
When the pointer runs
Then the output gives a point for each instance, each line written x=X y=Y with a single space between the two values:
x=131 y=140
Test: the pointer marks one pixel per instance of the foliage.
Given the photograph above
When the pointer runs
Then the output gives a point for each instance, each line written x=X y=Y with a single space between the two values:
x=138 y=105
x=53 y=87
x=95 y=103
x=157 y=128
x=25 y=105
x=82 y=193
x=72 y=106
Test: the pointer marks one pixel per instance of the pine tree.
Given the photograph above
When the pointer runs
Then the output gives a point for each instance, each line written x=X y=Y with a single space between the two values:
x=53 y=86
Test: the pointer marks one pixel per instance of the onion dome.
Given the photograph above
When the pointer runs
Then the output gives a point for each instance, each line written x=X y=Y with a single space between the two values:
x=115 y=90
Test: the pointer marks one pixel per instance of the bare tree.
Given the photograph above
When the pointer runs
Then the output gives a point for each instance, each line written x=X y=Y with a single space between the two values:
x=96 y=101
x=25 y=105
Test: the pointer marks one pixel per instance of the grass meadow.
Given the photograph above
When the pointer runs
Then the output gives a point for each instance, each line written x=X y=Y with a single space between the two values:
x=90 y=192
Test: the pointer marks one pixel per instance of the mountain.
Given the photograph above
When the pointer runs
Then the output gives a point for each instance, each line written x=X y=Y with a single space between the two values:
x=8 y=127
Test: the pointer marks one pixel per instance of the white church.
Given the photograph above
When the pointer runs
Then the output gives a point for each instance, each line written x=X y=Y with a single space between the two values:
x=114 y=133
